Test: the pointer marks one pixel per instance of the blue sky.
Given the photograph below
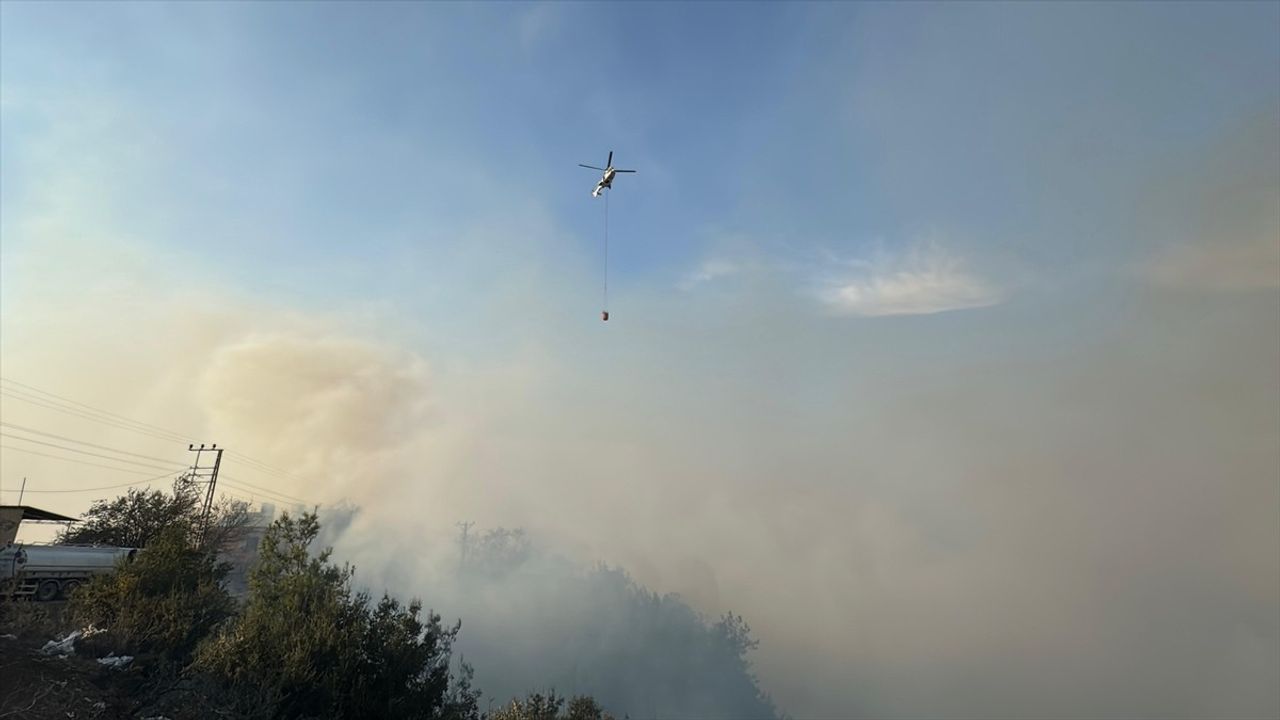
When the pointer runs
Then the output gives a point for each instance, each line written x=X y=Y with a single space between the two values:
x=909 y=301
x=330 y=142
x=346 y=133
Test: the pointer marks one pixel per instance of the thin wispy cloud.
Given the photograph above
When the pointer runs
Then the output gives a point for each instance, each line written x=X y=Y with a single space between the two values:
x=391 y=295
x=924 y=280
x=710 y=270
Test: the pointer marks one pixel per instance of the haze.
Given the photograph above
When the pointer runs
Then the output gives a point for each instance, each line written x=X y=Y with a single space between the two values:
x=944 y=340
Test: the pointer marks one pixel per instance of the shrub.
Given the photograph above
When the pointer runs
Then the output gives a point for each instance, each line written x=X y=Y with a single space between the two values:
x=537 y=706
x=324 y=651
x=139 y=516
x=163 y=603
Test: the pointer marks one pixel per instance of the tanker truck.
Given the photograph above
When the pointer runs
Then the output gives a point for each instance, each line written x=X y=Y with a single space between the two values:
x=52 y=572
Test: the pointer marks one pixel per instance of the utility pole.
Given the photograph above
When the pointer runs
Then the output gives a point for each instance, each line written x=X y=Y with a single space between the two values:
x=22 y=491
x=197 y=472
x=465 y=543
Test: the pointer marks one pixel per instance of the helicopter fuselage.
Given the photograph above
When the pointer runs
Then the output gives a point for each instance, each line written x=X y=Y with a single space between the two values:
x=606 y=181
x=606 y=178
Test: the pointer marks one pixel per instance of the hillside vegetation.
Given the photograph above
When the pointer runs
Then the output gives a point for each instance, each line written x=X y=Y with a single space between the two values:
x=303 y=642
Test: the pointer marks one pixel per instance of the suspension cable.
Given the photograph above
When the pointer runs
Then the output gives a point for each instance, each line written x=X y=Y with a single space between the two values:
x=606 y=254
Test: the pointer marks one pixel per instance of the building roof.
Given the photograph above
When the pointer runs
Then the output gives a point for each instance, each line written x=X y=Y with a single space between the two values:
x=35 y=514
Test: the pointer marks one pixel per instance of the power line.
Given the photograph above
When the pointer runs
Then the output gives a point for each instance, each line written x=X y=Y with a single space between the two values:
x=86 y=452
x=66 y=405
x=256 y=487
x=117 y=420
x=278 y=496
x=281 y=496
x=100 y=411
x=82 y=442
x=108 y=487
x=73 y=460
x=39 y=402
x=249 y=498
x=263 y=467
x=237 y=496
x=251 y=463
x=88 y=415
x=147 y=481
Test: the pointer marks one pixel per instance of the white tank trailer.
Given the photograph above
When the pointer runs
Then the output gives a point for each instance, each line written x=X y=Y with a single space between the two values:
x=52 y=572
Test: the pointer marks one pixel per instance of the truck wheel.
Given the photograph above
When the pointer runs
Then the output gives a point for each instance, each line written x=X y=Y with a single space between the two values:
x=47 y=591
x=69 y=587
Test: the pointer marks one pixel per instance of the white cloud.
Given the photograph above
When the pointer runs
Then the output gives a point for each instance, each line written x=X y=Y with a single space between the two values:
x=925 y=280
x=710 y=270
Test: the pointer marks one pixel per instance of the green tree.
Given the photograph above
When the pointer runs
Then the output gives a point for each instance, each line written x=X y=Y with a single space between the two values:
x=585 y=708
x=633 y=650
x=537 y=706
x=163 y=603
x=304 y=637
x=495 y=553
x=139 y=516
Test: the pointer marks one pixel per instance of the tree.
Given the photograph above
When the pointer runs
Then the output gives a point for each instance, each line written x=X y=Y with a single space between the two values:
x=139 y=516
x=163 y=603
x=537 y=706
x=305 y=638
x=495 y=553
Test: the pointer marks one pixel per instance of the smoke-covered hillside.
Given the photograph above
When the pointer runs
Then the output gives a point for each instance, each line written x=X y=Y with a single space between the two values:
x=532 y=618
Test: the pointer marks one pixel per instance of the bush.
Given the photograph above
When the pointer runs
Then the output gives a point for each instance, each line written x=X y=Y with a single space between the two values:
x=304 y=637
x=139 y=516
x=163 y=603
x=548 y=707
x=28 y=620
x=540 y=622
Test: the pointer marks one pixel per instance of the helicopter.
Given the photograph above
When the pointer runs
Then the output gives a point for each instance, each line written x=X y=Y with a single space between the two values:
x=607 y=180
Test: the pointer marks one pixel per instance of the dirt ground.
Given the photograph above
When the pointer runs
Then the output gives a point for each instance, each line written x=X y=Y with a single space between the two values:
x=35 y=686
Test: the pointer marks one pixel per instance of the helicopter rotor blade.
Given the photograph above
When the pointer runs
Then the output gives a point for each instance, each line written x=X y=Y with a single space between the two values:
x=593 y=167
x=617 y=170
x=610 y=159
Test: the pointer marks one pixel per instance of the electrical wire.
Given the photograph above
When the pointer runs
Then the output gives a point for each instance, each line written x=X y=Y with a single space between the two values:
x=264 y=490
x=99 y=411
x=261 y=493
x=262 y=467
x=73 y=460
x=23 y=428
x=274 y=494
x=66 y=405
x=108 y=487
x=116 y=420
x=86 y=452
x=40 y=402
